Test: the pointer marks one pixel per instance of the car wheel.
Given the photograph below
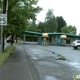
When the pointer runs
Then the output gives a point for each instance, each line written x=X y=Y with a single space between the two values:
x=75 y=47
x=78 y=47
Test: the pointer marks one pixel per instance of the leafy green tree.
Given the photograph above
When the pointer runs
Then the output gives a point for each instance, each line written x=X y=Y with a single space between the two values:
x=61 y=23
x=49 y=15
x=20 y=12
x=51 y=25
x=69 y=29
x=33 y=27
x=50 y=22
x=0 y=6
x=41 y=26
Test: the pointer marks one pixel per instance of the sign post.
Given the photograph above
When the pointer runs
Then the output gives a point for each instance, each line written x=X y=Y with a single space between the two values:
x=3 y=21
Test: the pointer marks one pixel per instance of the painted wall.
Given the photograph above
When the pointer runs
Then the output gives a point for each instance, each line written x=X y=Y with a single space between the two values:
x=54 y=40
x=39 y=39
x=58 y=40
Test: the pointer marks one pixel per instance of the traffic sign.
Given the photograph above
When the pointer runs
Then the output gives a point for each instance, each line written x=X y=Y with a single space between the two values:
x=3 y=19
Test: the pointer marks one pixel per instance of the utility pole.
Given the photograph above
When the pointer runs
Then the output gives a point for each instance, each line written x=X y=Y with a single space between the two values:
x=4 y=7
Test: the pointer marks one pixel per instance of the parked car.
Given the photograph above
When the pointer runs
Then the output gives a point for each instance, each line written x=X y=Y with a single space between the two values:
x=76 y=44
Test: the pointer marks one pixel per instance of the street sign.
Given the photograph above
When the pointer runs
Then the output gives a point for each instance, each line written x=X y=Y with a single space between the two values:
x=3 y=19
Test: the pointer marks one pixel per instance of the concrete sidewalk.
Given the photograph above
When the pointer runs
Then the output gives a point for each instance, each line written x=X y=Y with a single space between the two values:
x=16 y=67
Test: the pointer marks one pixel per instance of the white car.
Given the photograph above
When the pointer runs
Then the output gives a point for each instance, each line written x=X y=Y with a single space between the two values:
x=76 y=44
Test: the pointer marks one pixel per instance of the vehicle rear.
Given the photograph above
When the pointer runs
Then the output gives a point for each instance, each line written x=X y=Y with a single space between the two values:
x=76 y=44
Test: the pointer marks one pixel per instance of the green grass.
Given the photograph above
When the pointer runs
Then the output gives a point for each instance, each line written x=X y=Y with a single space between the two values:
x=4 y=55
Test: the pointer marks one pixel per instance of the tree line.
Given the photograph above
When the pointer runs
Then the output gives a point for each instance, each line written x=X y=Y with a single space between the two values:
x=55 y=24
x=22 y=14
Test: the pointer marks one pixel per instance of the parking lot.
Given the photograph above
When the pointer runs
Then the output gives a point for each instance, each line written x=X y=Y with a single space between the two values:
x=54 y=62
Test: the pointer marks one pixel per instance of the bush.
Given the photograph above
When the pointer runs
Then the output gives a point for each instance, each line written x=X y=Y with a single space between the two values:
x=5 y=54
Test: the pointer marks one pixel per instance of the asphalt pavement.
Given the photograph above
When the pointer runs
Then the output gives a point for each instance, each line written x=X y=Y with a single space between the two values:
x=16 y=67
x=38 y=62
x=54 y=62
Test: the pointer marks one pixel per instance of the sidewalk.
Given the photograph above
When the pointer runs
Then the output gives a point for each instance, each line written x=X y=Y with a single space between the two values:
x=16 y=67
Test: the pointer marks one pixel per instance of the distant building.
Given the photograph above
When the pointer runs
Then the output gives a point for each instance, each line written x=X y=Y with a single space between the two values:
x=54 y=38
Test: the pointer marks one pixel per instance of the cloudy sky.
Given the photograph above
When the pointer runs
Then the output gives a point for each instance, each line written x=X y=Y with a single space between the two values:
x=68 y=9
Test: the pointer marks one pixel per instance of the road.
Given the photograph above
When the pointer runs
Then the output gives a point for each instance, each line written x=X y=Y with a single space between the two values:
x=54 y=62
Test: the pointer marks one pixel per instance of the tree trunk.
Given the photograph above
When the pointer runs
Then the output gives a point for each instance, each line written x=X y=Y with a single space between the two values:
x=16 y=38
x=12 y=39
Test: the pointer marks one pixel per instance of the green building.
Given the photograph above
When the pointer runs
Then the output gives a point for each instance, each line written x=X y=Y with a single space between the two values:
x=54 y=38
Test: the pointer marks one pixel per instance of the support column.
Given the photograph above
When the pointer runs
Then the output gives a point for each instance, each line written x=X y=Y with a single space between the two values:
x=71 y=40
x=52 y=39
x=58 y=40
x=24 y=38
x=39 y=39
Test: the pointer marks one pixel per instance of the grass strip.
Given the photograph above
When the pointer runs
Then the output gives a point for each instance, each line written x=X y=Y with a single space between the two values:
x=4 y=55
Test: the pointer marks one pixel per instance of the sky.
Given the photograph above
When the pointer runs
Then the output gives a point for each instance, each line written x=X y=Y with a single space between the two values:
x=68 y=9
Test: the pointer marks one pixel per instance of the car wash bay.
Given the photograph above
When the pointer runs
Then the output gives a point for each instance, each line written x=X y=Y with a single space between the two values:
x=54 y=38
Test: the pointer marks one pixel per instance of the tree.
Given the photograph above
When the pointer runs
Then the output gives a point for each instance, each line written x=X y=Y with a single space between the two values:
x=51 y=25
x=0 y=6
x=41 y=26
x=20 y=12
x=50 y=22
x=49 y=15
x=33 y=27
x=69 y=29
x=61 y=23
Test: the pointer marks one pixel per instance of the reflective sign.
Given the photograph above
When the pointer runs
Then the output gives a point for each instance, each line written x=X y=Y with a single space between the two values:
x=3 y=19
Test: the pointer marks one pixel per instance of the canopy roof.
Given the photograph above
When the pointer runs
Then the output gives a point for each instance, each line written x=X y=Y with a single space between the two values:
x=40 y=34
